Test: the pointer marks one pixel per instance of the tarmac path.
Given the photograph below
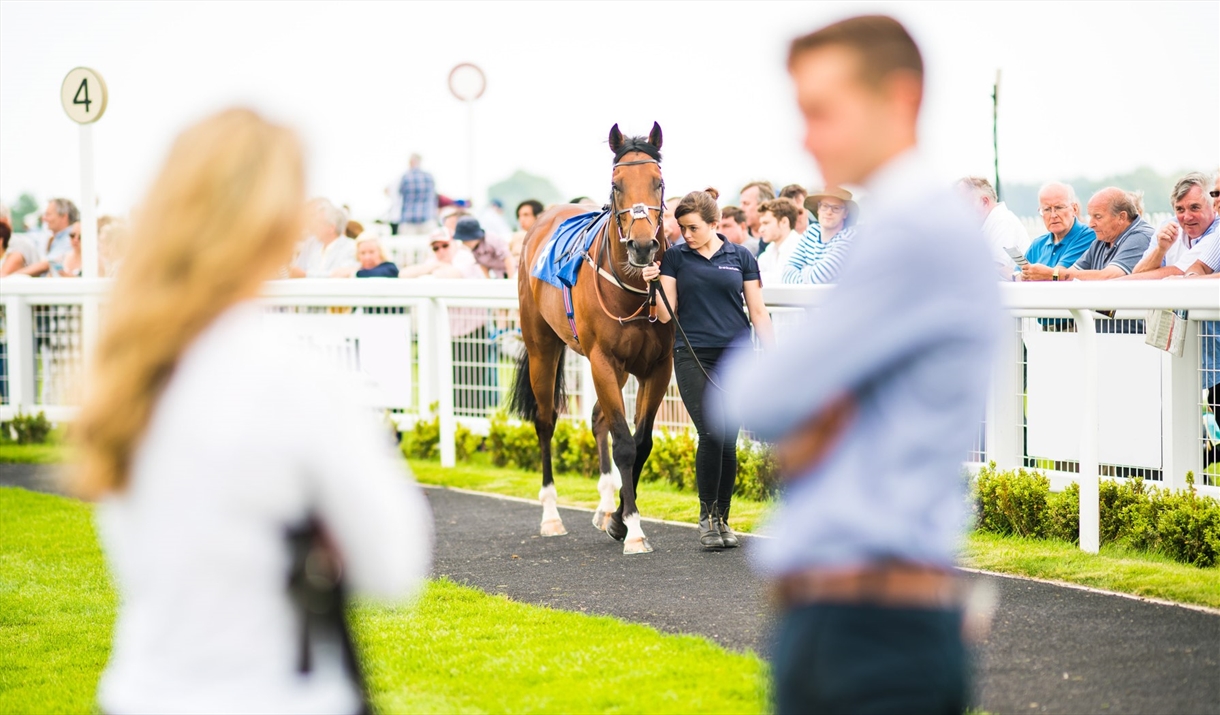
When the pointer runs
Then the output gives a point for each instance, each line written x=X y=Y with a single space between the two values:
x=1051 y=648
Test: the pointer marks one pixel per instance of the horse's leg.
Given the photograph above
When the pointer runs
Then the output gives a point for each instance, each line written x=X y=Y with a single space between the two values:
x=544 y=366
x=610 y=480
x=647 y=401
x=623 y=525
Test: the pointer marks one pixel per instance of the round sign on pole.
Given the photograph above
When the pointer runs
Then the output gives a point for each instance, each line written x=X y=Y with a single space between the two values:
x=467 y=82
x=83 y=95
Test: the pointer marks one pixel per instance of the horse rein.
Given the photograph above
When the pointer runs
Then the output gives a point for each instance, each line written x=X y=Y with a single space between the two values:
x=636 y=212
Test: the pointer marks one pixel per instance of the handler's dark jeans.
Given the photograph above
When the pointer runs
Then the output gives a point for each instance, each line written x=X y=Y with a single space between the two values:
x=716 y=457
x=866 y=659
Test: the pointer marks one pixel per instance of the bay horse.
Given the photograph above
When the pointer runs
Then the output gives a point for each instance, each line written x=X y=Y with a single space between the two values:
x=613 y=325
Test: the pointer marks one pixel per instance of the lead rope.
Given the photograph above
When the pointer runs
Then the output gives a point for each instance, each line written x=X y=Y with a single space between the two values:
x=685 y=340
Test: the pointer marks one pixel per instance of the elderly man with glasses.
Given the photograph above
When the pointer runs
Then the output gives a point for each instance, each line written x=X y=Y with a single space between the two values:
x=1067 y=237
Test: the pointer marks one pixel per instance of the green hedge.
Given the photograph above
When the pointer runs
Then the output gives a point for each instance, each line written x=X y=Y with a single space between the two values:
x=1181 y=524
x=26 y=429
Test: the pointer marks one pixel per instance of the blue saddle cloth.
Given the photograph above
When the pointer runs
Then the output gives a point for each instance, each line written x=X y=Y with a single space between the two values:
x=558 y=262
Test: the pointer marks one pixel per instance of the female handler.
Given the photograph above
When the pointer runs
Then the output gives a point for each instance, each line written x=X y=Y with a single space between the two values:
x=209 y=444
x=710 y=282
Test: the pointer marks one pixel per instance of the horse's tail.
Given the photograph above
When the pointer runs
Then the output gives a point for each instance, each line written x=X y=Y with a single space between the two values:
x=522 y=402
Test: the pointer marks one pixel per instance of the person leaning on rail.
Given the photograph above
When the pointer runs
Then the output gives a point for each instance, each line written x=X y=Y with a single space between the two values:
x=1122 y=237
x=714 y=287
x=1001 y=227
x=241 y=493
x=1178 y=243
x=820 y=253
x=1067 y=237
x=873 y=402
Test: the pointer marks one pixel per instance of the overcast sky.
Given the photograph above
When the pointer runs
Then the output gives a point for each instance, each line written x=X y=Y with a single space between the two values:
x=1087 y=89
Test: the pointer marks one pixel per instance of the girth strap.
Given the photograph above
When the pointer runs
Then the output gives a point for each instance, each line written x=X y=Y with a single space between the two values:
x=567 y=307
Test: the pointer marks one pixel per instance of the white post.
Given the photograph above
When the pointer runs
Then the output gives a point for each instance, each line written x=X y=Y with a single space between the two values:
x=444 y=364
x=90 y=264
x=1090 y=507
x=1181 y=450
x=470 y=151
x=425 y=324
x=1005 y=408
x=20 y=334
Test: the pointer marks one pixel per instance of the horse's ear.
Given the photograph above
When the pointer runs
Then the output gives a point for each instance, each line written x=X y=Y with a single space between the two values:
x=616 y=139
x=654 y=136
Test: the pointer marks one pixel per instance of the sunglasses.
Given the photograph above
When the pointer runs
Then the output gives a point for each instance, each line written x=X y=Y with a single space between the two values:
x=438 y=246
x=73 y=235
x=1214 y=193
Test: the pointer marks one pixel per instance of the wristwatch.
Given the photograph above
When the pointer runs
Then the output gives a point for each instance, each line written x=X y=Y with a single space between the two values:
x=1055 y=274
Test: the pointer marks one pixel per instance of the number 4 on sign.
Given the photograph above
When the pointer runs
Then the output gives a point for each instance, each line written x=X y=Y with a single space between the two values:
x=83 y=89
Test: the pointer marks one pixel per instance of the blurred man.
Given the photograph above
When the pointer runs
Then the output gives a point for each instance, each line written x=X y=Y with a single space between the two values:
x=58 y=218
x=528 y=212
x=1067 y=237
x=1001 y=227
x=1122 y=237
x=490 y=252
x=327 y=252
x=1215 y=193
x=673 y=232
x=874 y=403
x=417 y=191
x=797 y=195
x=733 y=227
x=775 y=221
x=823 y=247
x=753 y=196
x=1178 y=244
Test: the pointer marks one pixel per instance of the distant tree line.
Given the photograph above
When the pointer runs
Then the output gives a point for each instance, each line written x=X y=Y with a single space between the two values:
x=1022 y=199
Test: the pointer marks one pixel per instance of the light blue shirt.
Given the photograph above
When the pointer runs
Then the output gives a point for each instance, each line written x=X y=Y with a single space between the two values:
x=1045 y=251
x=910 y=331
x=816 y=261
x=59 y=246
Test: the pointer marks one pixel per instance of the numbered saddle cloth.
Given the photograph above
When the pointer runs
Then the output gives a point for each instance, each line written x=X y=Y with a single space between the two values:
x=558 y=262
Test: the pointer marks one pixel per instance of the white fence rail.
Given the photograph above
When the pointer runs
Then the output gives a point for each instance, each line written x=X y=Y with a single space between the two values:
x=1075 y=393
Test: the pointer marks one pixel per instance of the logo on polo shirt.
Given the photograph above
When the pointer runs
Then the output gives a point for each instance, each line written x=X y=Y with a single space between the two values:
x=729 y=268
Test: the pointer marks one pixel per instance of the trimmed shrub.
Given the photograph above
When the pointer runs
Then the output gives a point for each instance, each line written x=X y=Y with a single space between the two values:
x=757 y=471
x=513 y=444
x=423 y=440
x=672 y=459
x=1011 y=502
x=26 y=429
x=1063 y=514
x=574 y=450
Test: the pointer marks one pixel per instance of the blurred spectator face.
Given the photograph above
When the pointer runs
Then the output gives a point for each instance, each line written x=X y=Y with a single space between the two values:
x=735 y=232
x=525 y=218
x=852 y=127
x=831 y=214
x=369 y=254
x=673 y=231
x=443 y=250
x=771 y=229
x=321 y=227
x=749 y=205
x=74 y=235
x=1194 y=211
x=1057 y=209
x=54 y=220
x=1108 y=226
x=1216 y=194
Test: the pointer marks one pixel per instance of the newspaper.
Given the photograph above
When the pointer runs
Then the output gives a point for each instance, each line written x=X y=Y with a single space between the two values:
x=1166 y=329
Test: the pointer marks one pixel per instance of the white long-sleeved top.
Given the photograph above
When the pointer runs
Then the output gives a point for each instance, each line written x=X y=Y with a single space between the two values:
x=249 y=437
x=1003 y=229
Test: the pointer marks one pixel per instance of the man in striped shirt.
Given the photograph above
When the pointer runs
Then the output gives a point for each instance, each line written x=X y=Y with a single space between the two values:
x=819 y=254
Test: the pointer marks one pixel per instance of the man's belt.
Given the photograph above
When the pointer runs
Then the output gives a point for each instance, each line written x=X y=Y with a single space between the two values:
x=889 y=585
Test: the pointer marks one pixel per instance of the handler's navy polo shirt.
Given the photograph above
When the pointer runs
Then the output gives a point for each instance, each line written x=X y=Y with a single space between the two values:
x=711 y=305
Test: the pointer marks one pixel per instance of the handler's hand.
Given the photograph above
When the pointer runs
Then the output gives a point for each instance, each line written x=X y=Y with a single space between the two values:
x=651 y=273
x=806 y=446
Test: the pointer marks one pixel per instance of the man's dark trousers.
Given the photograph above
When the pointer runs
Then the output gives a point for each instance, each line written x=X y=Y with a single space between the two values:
x=868 y=659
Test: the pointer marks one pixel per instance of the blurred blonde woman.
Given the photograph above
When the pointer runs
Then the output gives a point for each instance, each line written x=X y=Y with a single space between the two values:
x=220 y=456
x=373 y=263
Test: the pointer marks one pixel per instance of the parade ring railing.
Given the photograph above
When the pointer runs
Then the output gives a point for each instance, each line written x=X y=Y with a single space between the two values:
x=1075 y=392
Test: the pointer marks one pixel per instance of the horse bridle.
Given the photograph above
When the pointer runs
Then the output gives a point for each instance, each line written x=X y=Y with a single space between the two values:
x=637 y=211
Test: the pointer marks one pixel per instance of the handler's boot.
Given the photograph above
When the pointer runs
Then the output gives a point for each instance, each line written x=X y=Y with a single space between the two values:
x=709 y=526
x=726 y=534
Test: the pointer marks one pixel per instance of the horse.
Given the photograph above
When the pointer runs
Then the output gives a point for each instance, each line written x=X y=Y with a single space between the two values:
x=614 y=325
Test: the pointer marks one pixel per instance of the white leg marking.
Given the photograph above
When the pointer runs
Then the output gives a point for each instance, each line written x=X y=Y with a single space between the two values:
x=549 y=498
x=618 y=478
x=633 y=526
x=607 y=487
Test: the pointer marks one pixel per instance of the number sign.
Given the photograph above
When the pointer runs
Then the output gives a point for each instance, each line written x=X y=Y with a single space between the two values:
x=83 y=94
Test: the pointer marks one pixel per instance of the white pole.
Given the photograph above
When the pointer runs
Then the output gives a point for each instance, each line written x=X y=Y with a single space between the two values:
x=470 y=151
x=88 y=205
x=1090 y=508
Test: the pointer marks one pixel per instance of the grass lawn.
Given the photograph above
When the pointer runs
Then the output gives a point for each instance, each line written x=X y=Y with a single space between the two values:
x=657 y=500
x=455 y=650
x=12 y=453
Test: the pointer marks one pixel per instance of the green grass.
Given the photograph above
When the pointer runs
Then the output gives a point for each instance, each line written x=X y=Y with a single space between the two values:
x=13 y=453
x=1114 y=569
x=657 y=500
x=455 y=649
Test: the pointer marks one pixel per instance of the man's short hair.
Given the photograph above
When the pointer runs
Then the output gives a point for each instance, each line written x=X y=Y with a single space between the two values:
x=1188 y=182
x=780 y=208
x=979 y=184
x=766 y=191
x=65 y=207
x=1071 y=192
x=795 y=192
x=534 y=204
x=883 y=44
x=1121 y=201
x=333 y=215
x=734 y=213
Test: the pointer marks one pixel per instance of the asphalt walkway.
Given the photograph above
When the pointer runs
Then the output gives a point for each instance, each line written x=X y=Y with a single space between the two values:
x=1051 y=648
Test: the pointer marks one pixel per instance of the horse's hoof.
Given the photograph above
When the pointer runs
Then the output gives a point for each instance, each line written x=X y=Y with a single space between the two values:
x=637 y=545
x=615 y=527
x=553 y=527
x=600 y=519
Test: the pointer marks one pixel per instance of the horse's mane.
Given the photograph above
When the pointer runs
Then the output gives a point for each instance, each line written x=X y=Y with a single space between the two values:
x=631 y=144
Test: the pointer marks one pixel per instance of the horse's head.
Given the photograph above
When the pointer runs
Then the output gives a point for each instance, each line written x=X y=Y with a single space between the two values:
x=637 y=195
